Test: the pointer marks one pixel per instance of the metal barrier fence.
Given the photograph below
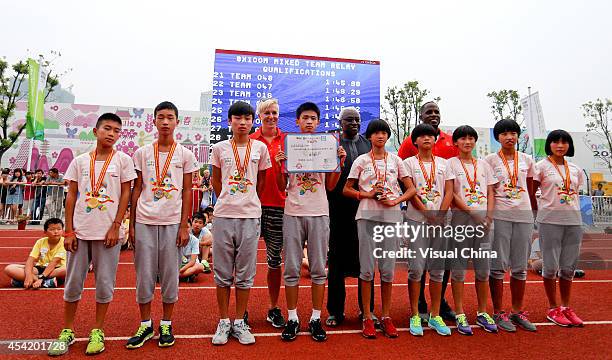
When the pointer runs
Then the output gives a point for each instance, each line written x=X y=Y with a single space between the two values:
x=602 y=210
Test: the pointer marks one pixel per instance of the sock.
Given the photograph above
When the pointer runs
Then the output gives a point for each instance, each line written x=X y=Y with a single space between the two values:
x=165 y=322
x=457 y=316
x=147 y=323
x=292 y=315
x=227 y=320
x=316 y=315
x=238 y=321
x=478 y=313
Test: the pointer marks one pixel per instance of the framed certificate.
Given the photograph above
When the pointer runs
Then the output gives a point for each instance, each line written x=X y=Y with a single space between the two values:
x=311 y=153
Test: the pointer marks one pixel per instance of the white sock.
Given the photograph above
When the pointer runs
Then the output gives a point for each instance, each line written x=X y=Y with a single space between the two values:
x=227 y=320
x=292 y=315
x=165 y=322
x=147 y=323
x=238 y=321
x=316 y=315
x=478 y=313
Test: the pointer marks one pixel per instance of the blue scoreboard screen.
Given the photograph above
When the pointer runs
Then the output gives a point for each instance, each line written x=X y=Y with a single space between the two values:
x=330 y=83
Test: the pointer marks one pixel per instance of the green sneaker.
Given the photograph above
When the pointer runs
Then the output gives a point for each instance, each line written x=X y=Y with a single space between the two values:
x=437 y=324
x=60 y=346
x=206 y=266
x=416 y=328
x=96 y=342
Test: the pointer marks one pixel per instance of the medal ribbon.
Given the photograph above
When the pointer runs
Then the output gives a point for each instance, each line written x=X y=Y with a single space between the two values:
x=242 y=168
x=382 y=180
x=95 y=185
x=566 y=180
x=470 y=181
x=166 y=164
x=513 y=176
x=430 y=179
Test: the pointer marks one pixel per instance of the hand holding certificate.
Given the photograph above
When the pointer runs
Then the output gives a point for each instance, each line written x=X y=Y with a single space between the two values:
x=312 y=153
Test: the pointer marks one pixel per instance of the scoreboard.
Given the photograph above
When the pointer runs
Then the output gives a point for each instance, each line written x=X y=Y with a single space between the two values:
x=330 y=83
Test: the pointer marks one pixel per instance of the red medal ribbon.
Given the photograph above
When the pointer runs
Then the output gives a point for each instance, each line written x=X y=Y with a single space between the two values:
x=95 y=185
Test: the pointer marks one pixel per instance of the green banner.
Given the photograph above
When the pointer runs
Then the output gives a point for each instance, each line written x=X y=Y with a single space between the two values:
x=35 y=118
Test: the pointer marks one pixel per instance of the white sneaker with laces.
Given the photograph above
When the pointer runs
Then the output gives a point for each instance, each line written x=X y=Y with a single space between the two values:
x=224 y=328
x=242 y=332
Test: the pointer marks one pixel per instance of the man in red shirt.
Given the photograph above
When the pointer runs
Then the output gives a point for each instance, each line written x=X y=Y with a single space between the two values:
x=272 y=205
x=444 y=148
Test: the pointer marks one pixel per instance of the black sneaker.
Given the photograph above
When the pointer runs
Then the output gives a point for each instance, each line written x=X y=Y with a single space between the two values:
x=166 y=338
x=291 y=330
x=143 y=334
x=276 y=318
x=446 y=312
x=316 y=330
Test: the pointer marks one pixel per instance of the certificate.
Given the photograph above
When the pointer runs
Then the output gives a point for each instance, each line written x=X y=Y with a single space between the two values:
x=311 y=153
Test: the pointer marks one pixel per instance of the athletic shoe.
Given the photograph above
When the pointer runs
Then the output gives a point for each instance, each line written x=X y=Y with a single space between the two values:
x=579 y=273
x=49 y=283
x=388 y=328
x=224 y=328
x=486 y=322
x=503 y=322
x=556 y=316
x=206 y=266
x=60 y=346
x=96 y=342
x=436 y=323
x=368 y=331
x=463 y=327
x=166 y=339
x=16 y=283
x=374 y=318
x=143 y=334
x=520 y=319
x=572 y=317
x=242 y=332
x=316 y=330
x=292 y=328
x=415 y=326
x=276 y=318
x=446 y=312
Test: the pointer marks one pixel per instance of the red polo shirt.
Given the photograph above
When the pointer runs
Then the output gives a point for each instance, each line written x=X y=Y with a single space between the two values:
x=271 y=195
x=443 y=147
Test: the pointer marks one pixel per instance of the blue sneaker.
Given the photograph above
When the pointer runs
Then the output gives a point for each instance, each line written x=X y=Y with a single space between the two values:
x=486 y=322
x=463 y=327
x=415 y=326
x=436 y=323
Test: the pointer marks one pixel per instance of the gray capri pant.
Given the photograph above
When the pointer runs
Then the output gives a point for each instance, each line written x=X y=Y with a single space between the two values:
x=235 y=251
x=105 y=261
x=476 y=242
x=418 y=264
x=314 y=231
x=560 y=246
x=367 y=245
x=156 y=253
x=512 y=242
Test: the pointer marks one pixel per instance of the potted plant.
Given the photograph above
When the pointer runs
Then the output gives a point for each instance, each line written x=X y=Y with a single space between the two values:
x=22 y=220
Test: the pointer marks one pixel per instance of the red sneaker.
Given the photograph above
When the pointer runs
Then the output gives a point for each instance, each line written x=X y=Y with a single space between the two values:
x=556 y=315
x=572 y=317
x=369 y=332
x=388 y=328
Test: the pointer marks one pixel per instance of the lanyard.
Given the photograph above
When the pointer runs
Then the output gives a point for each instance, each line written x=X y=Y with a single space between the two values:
x=95 y=185
x=471 y=181
x=431 y=178
x=513 y=176
x=166 y=165
x=242 y=168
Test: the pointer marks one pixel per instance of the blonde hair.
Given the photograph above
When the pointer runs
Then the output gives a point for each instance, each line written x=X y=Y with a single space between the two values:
x=263 y=104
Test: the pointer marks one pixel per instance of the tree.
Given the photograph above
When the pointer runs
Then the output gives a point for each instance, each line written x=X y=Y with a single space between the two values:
x=598 y=114
x=10 y=94
x=507 y=105
x=402 y=108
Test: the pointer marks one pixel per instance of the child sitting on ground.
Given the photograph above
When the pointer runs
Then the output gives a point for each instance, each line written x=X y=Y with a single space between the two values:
x=46 y=265
x=190 y=265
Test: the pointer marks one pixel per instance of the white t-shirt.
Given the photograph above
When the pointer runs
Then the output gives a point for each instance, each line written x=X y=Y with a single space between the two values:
x=558 y=205
x=512 y=204
x=238 y=198
x=477 y=200
x=443 y=173
x=167 y=210
x=363 y=170
x=306 y=195
x=94 y=215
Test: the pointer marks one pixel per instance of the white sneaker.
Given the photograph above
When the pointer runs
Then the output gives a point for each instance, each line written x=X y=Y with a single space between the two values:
x=242 y=332
x=224 y=328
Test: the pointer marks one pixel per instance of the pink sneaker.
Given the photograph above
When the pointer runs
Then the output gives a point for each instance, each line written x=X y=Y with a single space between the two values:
x=556 y=315
x=572 y=317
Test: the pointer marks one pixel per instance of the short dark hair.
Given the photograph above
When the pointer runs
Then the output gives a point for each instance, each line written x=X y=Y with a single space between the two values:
x=240 y=108
x=6 y=171
x=422 y=129
x=307 y=106
x=52 y=221
x=198 y=216
x=600 y=185
x=54 y=170
x=505 y=125
x=557 y=135
x=108 y=117
x=209 y=209
x=39 y=170
x=463 y=131
x=165 y=105
x=377 y=125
